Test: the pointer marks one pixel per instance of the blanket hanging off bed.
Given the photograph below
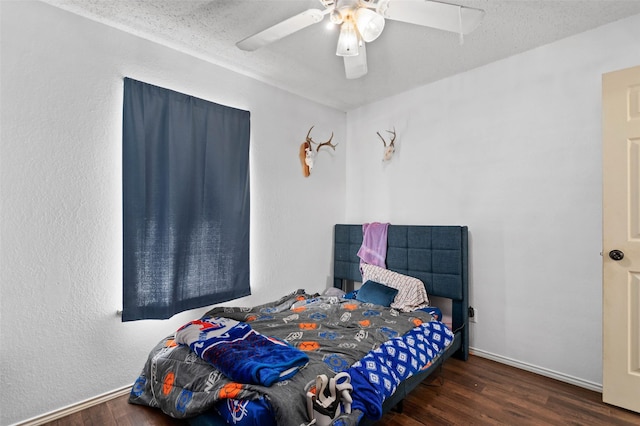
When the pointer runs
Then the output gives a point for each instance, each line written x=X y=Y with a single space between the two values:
x=376 y=376
x=223 y=342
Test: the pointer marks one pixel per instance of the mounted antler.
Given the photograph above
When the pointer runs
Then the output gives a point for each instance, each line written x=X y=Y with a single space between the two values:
x=327 y=143
x=307 y=154
x=388 y=150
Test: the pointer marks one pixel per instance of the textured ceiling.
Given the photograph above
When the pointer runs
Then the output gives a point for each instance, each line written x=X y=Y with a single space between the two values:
x=304 y=63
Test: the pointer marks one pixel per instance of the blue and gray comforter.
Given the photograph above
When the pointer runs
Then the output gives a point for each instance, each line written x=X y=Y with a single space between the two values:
x=333 y=333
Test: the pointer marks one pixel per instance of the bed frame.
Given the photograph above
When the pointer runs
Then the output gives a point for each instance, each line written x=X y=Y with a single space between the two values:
x=438 y=256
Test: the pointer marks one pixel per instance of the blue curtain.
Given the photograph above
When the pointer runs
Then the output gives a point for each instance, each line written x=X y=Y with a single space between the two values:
x=185 y=202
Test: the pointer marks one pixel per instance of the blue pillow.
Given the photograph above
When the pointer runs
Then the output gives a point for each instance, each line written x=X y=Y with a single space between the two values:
x=376 y=293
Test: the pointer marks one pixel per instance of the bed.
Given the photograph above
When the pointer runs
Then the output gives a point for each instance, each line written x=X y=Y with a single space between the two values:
x=438 y=256
x=335 y=335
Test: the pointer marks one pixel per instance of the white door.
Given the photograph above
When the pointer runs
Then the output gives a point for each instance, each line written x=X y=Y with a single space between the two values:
x=621 y=238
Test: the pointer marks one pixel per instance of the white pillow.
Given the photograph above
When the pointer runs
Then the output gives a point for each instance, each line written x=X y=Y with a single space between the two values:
x=334 y=291
x=411 y=292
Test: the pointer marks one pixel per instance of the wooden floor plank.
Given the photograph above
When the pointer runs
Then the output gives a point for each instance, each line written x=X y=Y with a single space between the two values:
x=477 y=392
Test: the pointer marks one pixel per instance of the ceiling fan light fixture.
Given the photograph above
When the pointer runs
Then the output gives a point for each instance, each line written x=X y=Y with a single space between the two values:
x=348 y=40
x=370 y=24
x=336 y=17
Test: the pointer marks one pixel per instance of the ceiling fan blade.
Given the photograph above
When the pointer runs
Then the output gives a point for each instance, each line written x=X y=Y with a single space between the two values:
x=443 y=16
x=282 y=29
x=356 y=66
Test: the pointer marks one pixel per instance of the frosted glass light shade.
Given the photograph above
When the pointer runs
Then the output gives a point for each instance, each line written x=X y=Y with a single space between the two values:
x=348 y=40
x=370 y=24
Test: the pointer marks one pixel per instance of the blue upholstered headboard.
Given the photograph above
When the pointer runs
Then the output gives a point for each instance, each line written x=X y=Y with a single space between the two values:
x=437 y=255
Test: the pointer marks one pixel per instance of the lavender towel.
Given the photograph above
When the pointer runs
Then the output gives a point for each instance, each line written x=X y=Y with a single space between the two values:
x=374 y=244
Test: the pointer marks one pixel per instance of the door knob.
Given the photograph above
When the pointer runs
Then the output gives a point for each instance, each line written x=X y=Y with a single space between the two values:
x=616 y=255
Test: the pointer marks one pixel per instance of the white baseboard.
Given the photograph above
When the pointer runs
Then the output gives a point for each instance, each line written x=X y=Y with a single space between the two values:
x=74 y=408
x=597 y=387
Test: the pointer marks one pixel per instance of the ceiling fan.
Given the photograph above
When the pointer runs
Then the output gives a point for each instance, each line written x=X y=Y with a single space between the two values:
x=362 y=21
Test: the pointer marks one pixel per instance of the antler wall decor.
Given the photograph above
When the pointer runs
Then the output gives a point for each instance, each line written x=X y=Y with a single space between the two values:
x=388 y=150
x=308 y=154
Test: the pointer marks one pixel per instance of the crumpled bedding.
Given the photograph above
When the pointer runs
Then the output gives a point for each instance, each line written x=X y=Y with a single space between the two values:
x=222 y=342
x=333 y=332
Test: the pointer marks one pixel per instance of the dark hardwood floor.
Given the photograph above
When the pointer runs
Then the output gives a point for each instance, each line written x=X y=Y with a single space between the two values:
x=476 y=392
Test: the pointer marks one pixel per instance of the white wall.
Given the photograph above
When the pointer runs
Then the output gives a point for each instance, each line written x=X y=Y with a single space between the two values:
x=60 y=215
x=513 y=150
